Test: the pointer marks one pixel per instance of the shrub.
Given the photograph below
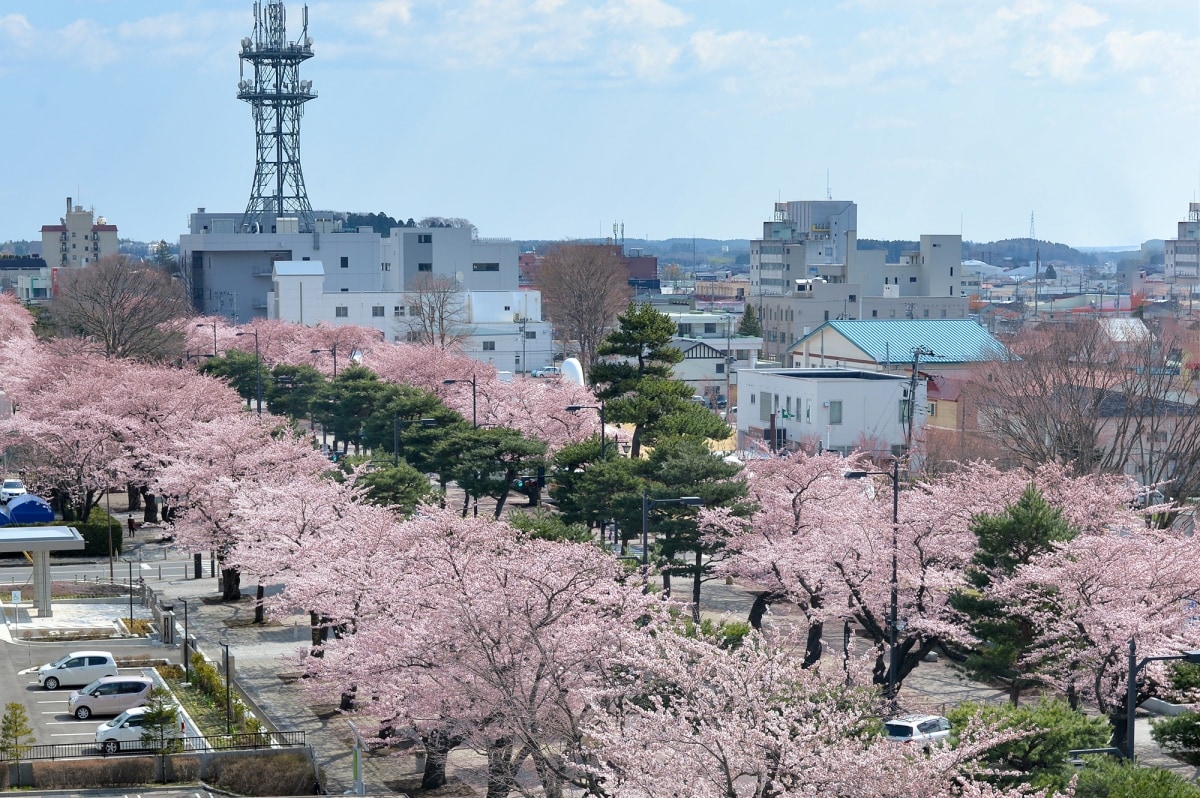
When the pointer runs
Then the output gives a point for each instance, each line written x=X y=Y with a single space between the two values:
x=174 y=672
x=95 y=534
x=70 y=774
x=272 y=774
x=1178 y=733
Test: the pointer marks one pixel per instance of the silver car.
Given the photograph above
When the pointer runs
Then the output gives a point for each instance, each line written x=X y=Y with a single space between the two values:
x=920 y=729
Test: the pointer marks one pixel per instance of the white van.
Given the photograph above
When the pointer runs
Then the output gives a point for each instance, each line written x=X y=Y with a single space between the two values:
x=77 y=668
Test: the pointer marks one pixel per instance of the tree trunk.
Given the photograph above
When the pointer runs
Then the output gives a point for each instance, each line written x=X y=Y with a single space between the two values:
x=501 y=775
x=319 y=632
x=259 y=610
x=697 y=580
x=231 y=579
x=1117 y=719
x=812 y=651
x=150 y=515
x=134 y=497
x=552 y=783
x=438 y=746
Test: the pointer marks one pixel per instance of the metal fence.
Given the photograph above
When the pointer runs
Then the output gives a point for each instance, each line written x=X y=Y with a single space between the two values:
x=223 y=742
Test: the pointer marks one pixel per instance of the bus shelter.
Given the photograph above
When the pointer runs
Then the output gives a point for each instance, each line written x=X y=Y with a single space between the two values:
x=38 y=542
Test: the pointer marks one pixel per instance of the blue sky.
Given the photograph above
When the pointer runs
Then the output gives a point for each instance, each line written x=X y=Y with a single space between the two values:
x=554 y=119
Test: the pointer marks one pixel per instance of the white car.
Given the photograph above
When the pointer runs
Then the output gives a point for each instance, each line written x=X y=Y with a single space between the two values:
x=76 y=669
x=546 y=371
x=11 y=489
x=921 y=729
x=124 y=732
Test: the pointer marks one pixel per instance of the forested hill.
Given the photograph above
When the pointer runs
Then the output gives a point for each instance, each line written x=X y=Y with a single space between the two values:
x=1019 y=250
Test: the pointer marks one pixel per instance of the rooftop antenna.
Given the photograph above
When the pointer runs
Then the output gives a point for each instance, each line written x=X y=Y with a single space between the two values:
x=277 y=97
x=1032 y=236
x=828 y=190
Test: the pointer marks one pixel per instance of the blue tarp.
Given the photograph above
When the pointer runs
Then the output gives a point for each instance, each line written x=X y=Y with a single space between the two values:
x=4 y=519
x=28 y=509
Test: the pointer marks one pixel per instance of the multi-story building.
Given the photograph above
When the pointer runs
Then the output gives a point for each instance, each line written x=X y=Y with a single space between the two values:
x=713 y=353
x=78 y=239
x=1182 y=263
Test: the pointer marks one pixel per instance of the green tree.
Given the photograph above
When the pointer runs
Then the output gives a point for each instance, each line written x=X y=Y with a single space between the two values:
x=396 y=420
x=585 y=488
x=687 y=467
x=750 y=325
x=485 y=461
x=346 y=403
x=634 y=375
x=1041 y=756
x=402 y=486
x=16 y=735
x=1006 y=541
x=292 y=391
x=160 y=725
x=1104 y=777
x=539 y=524
x=239 y=369
x=1051 y=274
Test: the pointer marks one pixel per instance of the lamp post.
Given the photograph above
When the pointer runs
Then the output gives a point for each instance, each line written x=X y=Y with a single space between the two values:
x=474 y=397
x=396 y=425
x=600 y=407
x=108 y=509
x=228 y=713
x=258 y=365
x=331 y=350
x=894 y=619
x=1135 y=666
x=214 y=326
x=187 y=666
x=647 y=503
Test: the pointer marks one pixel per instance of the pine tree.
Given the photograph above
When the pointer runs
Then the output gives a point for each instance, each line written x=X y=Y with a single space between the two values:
x=750 y=324
x=16 y=735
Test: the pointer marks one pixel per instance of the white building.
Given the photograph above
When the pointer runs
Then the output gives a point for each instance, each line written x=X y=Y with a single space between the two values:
x=713 y=353
x=78 y=239
x=501 y=327
x=1182 y=263
x=828 y=409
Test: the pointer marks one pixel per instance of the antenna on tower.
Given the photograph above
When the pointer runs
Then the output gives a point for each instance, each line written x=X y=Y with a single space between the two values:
x=828 y=190
x=1032 y=236
x=277 y=97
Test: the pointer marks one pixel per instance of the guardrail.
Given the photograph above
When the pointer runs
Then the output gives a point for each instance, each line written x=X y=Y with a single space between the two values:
x=222 y=742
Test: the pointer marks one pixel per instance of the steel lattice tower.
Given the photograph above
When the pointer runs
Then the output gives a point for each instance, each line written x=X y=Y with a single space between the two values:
x=277 y=97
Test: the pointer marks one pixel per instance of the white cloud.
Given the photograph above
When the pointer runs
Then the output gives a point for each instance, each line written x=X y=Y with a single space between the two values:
x=653 y=14
x=1076 y=16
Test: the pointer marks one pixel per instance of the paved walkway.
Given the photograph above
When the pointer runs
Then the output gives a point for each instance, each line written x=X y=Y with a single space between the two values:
x=262 y=668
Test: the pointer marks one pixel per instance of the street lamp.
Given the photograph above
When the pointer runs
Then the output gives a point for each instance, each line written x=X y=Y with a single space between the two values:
x=214 y=326
x=474 y=395
x=331 y=350
x=396 y=425
x=894 y=620
x=1131 y=687
x=600 y=407
x=258 y=364
x=647 y=503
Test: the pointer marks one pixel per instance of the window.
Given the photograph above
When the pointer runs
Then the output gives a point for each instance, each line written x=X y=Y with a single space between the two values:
x=835 y=412
x=345 y=262
x=720 y=368
x=912 y=279
x=377 y=311
x=951 y=268
x=903 y=411
x=424 y=267
x=489 y=346
x=341 y=312
x=853 y=298
x=485 y=267
x=530 y=335
x=425 y=238
x=710 y=328
x=931 y=409
x=874 y=314
x=386 y=267
x=398 y=310
x=414 y=311
x=926 y=312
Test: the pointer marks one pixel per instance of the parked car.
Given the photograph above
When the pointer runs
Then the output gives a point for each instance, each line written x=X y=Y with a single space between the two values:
x=124 y=732
x=546 y=371
x=923 y=729
x=77 y=668
x=110 y=695
x=10 y=489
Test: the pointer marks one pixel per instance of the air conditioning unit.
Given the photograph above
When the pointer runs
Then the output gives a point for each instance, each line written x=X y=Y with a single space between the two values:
x=825 y=404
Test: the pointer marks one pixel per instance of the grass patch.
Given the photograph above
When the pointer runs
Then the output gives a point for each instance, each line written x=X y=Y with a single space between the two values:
x=206 y=712
x=137 y=626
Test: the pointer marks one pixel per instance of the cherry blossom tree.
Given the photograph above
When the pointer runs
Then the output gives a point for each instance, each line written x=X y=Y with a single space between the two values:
x=485 y=638
x=830 y=546
x=752 y=722
x=1094 y=594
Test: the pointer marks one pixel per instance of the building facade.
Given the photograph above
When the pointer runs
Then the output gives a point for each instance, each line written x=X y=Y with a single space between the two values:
x=1182 y=264
x=78 y=239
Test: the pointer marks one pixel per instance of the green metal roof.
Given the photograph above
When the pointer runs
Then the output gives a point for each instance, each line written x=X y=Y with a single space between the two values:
x=893 y=341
